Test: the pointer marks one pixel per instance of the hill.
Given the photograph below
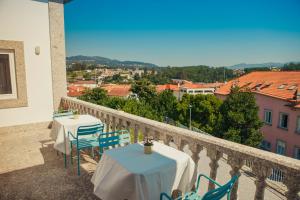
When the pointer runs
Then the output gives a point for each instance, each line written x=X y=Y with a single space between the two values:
x=108 y=62
x=258 y=65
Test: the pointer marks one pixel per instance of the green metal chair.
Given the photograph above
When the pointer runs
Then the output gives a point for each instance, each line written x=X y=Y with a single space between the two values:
x=215 y=194
x=113 y=139
x=87 y=137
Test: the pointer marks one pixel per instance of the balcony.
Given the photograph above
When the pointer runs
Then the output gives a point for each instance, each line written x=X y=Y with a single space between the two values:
x=30 y=168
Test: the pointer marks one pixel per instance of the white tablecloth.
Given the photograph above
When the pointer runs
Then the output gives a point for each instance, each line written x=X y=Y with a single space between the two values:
x=128 y=173
x=61 y=126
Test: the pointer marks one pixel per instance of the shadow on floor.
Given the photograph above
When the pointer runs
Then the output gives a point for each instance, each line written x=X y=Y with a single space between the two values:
x=48 y=181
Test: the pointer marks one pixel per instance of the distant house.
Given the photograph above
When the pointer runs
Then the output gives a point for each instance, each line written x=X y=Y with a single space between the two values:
x=87 y=84
x=278 y=97
x=198 y=88
x=115 y=90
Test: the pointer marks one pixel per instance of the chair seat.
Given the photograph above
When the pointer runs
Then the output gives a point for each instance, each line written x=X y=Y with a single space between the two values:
x=86 y=142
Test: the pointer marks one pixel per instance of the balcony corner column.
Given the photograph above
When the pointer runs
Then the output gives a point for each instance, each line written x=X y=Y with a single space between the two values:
x=236 y=163
x=292 y=182
x=262 y=172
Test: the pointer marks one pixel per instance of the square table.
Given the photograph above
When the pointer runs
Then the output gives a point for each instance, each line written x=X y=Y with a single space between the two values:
x=62 y=125
x=128 y=173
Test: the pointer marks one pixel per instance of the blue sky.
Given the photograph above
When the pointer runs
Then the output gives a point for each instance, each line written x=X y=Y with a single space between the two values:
x=185 y=32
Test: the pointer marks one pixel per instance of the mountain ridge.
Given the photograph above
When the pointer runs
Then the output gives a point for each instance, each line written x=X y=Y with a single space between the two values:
x=138 y=64
x=108 y=61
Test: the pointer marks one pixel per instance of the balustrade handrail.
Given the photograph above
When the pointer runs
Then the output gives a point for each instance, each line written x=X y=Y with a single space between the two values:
x=205 y=140
x=263 y=161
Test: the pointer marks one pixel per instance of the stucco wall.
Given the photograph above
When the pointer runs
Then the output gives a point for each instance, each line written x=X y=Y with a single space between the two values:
x=271 y=132
x=28 y=21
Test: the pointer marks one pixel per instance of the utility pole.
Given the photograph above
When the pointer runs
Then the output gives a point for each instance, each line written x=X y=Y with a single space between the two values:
x=190 y=107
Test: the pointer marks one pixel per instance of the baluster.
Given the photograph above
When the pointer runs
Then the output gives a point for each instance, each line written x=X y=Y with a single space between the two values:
x=292 y=182
x=146 y=132
x=119 y=124
x=107 y=122
x=195 y=149
x=182 y=144
x=167 y=139
x=214 y=156
x=136 y=133
x=127 y=125
x=113 y=123
x=177 y=141
x=236 y=164
x=102 y=117
x=157 y=136
x=262 y=172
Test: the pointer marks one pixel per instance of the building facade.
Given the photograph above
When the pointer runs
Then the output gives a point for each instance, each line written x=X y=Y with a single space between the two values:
x=278 y=98
x=32 y=60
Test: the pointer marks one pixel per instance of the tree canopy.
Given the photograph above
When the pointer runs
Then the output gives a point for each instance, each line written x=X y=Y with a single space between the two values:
x=234 y=119
x=239 y=118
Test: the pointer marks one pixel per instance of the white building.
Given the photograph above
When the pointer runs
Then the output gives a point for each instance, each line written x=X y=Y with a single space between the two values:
x=32 y=60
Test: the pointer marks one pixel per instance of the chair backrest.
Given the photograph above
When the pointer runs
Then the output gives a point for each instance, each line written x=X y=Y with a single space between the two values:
x=90 y=129
x=108 y=139
x=62 y=114
x=114 y=138
x=124 y=137
x=220 y=192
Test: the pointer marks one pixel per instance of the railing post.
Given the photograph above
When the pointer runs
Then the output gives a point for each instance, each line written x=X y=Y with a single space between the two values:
x=262 y=172
x=236 y=164
x=214 y=156
x=292 y=182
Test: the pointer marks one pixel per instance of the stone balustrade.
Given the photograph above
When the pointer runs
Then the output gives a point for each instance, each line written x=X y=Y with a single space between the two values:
x=262 y=162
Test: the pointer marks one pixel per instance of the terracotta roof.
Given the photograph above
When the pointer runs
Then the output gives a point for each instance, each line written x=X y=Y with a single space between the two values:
x=117 y=90
x=201 y=85
x=75 y=91
x=160 y=88
x=282 y=85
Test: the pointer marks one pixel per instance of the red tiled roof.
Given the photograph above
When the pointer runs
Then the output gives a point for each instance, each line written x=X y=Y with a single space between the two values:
x=160 y=88
x=201 y=85
x=282 y=85
x=117 y=90
x=75 y=91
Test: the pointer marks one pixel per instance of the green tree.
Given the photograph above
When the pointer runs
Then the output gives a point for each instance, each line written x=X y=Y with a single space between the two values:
x=96 y=95
x=115 y=103
x=144 y=89
x=205 y=111
x=140 y=108
x=166 y=104
x=240 y=122
x=87 y=76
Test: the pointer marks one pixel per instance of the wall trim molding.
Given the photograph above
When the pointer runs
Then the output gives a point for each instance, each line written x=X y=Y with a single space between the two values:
x=18 y=48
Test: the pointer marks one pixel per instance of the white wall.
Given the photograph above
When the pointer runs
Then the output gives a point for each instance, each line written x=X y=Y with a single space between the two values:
x=28 y=21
